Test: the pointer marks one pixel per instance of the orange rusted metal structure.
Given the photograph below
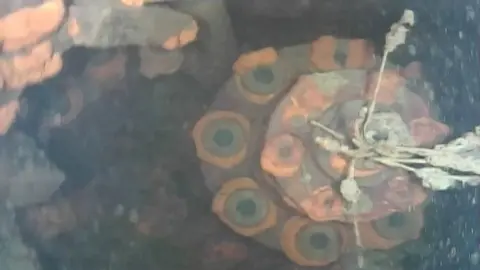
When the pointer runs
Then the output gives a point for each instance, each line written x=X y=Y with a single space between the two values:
x=273 y=183
x=34 y=34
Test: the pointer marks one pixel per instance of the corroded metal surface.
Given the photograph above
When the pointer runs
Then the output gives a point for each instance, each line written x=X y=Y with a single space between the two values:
x=275 y=184
x=34 y=36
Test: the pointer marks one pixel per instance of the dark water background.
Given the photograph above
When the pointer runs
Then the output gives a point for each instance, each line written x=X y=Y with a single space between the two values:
x=449 y=32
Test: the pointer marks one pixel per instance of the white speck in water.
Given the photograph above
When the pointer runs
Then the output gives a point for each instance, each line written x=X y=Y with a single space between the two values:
x=458 y=52
x=119 y=210
x=475 y=258
x=412 y=50
x=453 y=253
x=470 y=13
x=133 y=216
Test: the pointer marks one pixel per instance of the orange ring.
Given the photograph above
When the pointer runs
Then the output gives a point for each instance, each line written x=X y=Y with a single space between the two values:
x=249 y=61
x=282 y=155
x=324 y=205
x=371 y=239
x=281 y=76
x=259 y=99
x=7 y=115
x=322 y=52
x=30 y=23
x=292 y=111
x=220 y=200
x=204 y=154
x=359 y=53
x=289 y=242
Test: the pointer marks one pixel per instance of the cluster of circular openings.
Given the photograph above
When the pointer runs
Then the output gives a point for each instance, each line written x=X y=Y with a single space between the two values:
x=222 y=137
x=246 y=209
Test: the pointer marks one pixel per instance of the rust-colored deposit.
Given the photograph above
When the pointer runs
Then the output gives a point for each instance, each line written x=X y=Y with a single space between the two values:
x=307 y=94
x=293 y=202
x=251 y=60
x=133 y=3
x=282 y=155
x=392 y=82
x=427 y=131
x=186 y=36
x=7 y=115
x=25 y=27
x=331 y=53
x=38 y=64
x=324 y=204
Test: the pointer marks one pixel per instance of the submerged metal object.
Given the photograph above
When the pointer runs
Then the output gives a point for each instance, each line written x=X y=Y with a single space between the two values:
x=271 y=180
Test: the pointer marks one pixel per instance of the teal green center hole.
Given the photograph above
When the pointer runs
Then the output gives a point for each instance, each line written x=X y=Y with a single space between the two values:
x=396 y=220
x=223 y=137
x=285 y=152
x=263 y=75
x=247 y=207
x=319 y=241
